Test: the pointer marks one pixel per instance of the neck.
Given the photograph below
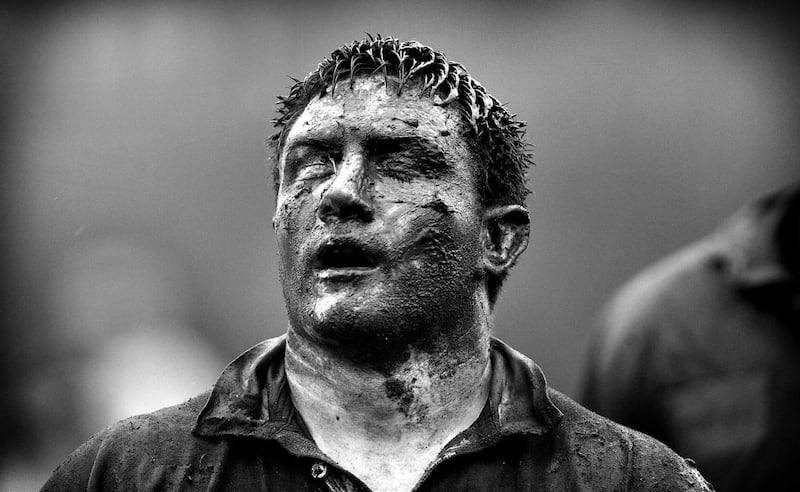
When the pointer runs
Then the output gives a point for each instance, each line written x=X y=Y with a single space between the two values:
x=386 y=427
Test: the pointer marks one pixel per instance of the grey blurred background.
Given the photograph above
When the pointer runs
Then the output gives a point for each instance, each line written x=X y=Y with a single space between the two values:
x=137 y=252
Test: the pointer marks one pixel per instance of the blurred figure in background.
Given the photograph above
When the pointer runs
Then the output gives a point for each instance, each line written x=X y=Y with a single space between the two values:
x=120 y=342
x=702 y=350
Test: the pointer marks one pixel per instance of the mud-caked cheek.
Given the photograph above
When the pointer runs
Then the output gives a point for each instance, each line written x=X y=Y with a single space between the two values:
x=425 y=239
x=295 y=222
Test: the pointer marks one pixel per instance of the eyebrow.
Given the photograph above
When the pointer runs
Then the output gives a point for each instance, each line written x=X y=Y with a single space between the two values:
x=313 y=141
x=427 y=152
x=395 y=144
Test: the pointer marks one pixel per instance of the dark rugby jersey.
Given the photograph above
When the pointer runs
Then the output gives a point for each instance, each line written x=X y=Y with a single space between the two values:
x=246 y=436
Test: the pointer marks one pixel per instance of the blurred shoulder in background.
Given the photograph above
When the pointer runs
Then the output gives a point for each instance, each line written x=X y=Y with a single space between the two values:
x=702 y=349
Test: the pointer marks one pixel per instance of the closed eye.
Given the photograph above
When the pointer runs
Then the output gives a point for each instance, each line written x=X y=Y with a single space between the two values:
x=406 y=167
x=408 y=157
x=318 y=168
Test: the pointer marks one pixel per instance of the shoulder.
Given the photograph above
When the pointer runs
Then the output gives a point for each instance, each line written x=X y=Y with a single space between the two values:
x=162 y=426
x=673 y=295
x=666 y=287
x=119 y=452
x=605 y=450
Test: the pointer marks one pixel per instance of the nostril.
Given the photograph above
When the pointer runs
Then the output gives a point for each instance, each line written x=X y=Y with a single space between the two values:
x=325 y=208
x=338 y=206
x=359 y=211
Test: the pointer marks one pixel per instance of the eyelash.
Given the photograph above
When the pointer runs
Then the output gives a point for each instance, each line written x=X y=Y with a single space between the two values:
x=323 y=167
x=308 y=172
x=397 y=173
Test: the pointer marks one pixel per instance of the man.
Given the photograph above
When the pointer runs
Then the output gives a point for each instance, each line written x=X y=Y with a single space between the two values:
x=400 y=187
x=702 y=350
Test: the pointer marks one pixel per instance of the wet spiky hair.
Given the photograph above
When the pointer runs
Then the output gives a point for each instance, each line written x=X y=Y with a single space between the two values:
x=498 y=135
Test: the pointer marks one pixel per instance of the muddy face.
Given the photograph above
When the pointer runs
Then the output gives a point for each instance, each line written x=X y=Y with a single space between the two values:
x=378 y=222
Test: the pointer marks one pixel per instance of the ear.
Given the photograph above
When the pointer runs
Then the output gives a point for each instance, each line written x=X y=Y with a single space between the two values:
x=505 y=236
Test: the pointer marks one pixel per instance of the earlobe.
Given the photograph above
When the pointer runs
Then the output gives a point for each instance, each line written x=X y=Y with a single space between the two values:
x=505 y=236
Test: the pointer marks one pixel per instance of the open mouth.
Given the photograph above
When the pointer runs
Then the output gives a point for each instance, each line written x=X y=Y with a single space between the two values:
x=343 y=259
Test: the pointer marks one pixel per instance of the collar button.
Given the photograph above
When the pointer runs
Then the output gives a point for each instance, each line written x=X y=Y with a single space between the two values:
x=319 y=470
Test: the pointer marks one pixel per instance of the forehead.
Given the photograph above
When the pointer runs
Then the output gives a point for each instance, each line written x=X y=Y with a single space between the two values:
x=369 y=108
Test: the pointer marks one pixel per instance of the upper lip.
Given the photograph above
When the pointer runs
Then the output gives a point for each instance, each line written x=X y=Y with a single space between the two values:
x=344 y=254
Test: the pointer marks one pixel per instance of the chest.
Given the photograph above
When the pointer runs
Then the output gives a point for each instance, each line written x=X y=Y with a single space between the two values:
x=512 y=465
x=387 y=467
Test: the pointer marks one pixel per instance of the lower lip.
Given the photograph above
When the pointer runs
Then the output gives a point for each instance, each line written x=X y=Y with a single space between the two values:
x=343 y=274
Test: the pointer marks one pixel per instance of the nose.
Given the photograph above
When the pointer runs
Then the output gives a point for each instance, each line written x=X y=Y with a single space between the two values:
x=348 y=196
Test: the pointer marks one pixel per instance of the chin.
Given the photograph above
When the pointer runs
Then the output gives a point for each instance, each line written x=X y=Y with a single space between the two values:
x=388 y=320
x=351 y=319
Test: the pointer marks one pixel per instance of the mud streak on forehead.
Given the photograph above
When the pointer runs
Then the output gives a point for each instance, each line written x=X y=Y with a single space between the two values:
x=387 y=122
x=371 y=96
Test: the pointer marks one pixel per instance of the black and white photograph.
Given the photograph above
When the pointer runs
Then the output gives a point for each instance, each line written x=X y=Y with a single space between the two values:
x=400 y=246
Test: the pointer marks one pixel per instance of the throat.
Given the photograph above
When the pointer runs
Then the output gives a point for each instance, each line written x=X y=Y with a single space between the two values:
x=387 y=429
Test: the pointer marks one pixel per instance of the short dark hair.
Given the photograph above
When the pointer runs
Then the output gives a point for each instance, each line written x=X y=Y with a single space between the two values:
x=499 y=136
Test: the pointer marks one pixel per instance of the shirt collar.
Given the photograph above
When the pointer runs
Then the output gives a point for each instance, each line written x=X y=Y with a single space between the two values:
x=752 y=244
x=251 y=399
